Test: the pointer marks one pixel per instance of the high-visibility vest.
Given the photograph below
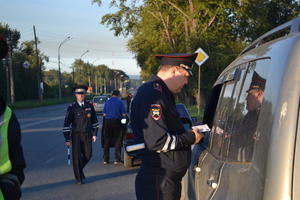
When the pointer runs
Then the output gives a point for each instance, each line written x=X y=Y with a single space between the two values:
x=5 y=164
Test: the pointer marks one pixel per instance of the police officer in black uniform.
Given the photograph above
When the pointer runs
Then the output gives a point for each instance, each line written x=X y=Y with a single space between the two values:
x=80 y=129
x=156 y=122
x=247 y=134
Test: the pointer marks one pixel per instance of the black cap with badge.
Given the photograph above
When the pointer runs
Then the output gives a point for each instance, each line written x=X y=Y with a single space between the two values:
x=185 y=60
x=257 y=82
x=80 y=89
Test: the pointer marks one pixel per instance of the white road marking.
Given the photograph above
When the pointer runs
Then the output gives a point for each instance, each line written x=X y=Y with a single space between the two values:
x=41 y=122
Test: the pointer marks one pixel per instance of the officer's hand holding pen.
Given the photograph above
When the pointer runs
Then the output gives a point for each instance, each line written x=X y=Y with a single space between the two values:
x=198 y=135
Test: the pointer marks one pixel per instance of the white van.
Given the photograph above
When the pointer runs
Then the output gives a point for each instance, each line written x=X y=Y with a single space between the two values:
x=253 y=149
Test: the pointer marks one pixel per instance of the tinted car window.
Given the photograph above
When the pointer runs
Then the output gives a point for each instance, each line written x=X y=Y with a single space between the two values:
x=219 y=131
x=234 y=127
x=246 y=112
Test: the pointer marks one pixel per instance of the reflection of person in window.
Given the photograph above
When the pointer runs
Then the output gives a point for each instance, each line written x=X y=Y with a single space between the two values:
x=255 y=95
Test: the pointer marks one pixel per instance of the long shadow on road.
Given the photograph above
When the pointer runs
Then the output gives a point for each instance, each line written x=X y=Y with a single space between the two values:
x=72 y=182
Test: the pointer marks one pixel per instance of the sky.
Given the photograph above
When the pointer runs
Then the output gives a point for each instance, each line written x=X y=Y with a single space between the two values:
x=55 y=20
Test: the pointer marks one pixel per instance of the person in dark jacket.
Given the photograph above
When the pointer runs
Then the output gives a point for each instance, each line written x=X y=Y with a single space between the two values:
x=80 y=129
x=12 y=161
x=156 y=122
x=113 y=112
x=247 y=135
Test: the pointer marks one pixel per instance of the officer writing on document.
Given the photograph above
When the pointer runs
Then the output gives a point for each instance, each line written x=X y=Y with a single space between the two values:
x=12 y=161
x=80 y=129
x=156 y=122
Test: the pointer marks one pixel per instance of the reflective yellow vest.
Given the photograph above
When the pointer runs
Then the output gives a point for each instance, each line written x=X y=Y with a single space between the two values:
x=5 y=164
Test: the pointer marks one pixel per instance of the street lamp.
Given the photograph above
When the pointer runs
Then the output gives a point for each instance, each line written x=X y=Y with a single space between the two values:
x=116 y=79
x=84 y=54
x=94 y=61
x=80 y=67
x=120 y=82
x=59 y=74
x=96 y=78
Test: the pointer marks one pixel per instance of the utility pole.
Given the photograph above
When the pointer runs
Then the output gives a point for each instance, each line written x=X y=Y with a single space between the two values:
x=5 y=63
x=39 y=74
x=96 y=83
x=199 y=95
x=105 y=91
x=10 y=71
x=73 y=75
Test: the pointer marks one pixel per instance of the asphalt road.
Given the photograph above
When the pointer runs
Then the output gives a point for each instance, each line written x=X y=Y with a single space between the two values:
x=47 y=174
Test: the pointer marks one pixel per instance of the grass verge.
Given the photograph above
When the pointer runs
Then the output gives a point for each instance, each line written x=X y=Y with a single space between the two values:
x=193 y=111
x=36 y=103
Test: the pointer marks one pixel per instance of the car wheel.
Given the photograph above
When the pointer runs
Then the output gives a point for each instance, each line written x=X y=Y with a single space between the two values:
x=128 y=160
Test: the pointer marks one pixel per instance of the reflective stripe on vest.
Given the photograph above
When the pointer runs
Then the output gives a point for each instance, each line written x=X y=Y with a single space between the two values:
x=1 y=196
x=5 y=165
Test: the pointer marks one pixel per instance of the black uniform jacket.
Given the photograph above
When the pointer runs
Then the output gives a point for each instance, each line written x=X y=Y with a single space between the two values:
x=80 y=120
x=156 y=122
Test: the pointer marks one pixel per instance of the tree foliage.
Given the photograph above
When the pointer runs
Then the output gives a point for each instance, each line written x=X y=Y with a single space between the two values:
x=25 y=79
x=221 y=27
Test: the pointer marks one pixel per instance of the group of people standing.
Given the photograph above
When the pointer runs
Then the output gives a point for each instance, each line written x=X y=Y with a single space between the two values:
x=154 y=121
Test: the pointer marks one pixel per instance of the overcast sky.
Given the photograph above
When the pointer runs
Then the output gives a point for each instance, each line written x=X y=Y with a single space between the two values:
x=55 y=20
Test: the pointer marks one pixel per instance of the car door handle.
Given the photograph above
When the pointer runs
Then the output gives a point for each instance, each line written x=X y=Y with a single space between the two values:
x=213 y=184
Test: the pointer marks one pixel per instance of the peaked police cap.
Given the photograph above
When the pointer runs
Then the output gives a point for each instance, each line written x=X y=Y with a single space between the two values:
x=80 y=89
x=185 y=60
x=257 y=82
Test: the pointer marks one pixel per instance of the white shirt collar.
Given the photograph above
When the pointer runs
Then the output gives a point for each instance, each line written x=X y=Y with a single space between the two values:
x=80 y=103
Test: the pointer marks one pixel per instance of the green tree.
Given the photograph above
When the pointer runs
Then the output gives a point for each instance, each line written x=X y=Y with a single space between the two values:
x=25 y=79
x=222 y=28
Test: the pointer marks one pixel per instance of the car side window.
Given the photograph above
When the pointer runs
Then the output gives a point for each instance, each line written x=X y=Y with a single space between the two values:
x=246 y=112
x=220 y=126
x=233 y=132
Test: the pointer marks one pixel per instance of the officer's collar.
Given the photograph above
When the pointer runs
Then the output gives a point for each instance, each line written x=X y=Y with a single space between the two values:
x=156 y=78
x=80 y=103
x=163 y=84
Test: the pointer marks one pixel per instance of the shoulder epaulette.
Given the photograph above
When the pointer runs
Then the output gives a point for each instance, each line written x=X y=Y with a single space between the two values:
x=157 y=86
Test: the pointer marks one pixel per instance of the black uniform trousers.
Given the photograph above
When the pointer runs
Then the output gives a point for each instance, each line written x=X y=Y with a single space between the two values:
x=81 y=152
x=112 y=136
x=158 y=184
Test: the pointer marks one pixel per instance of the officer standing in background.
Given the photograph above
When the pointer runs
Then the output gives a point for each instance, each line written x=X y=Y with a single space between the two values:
x=80 y=129
x=12 y=161
x=156 y=122
x=113 y=112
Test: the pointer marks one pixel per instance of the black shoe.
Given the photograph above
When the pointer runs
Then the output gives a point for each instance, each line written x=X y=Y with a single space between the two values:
x=82 y=175
x=80 y=182
x=105 y=162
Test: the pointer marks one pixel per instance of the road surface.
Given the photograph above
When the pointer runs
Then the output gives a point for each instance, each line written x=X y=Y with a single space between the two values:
x=47 y=174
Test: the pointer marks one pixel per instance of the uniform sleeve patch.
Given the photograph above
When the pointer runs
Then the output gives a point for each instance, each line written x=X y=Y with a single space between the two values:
x=157 y=87
x=155 y=111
